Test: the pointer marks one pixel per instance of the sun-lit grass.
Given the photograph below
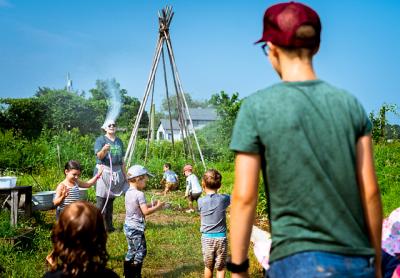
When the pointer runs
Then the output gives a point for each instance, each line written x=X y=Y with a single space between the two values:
x=173 y=236
x=173 y=242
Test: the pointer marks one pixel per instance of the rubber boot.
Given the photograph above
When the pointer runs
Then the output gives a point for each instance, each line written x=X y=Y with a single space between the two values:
x=138 y=270
x=129 y=270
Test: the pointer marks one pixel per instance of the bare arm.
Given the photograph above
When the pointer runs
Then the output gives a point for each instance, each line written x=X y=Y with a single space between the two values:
x=370 y=196
x=103 y=152
x=146 y=210
x=243 y=206
x=61 y=192
x=93 y=180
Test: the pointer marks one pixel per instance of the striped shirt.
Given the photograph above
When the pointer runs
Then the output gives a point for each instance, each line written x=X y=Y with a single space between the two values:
x=73 y=196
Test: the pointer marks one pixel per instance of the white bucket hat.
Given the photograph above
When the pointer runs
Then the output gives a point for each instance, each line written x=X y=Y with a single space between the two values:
x=107 y=123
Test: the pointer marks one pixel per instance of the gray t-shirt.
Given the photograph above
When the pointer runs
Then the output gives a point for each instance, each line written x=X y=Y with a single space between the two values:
x=212 y=209
x=134 y=216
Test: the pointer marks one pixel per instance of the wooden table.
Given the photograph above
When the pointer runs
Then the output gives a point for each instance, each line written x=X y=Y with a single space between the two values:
x=15 y=194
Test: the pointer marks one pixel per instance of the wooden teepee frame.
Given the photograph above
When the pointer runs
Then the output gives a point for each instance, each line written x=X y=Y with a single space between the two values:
x=164 y=19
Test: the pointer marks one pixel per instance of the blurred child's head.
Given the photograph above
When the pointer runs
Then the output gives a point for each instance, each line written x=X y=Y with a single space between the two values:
x=187 y=170
x=137 y=175
x=72 y=169
x=167 y=166
x=79 y=239
x=211 y=179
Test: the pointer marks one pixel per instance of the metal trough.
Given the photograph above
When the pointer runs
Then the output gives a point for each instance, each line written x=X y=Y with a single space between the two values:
x=43 y=200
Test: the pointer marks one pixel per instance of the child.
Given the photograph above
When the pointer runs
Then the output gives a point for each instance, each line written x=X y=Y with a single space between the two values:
x=212 y=207
x=193 y=188
x=136 y=210
x=312 y=142
x=170 y=179
x=79 y=243
x=67 y=191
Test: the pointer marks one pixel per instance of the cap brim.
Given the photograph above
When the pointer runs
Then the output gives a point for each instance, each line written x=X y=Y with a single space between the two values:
x=259 y=41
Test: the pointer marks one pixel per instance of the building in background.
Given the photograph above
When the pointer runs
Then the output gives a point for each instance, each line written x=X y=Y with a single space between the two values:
x=200 y=118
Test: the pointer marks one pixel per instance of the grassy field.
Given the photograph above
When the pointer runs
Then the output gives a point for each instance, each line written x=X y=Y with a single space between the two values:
x=173 y=240
x=173 y=236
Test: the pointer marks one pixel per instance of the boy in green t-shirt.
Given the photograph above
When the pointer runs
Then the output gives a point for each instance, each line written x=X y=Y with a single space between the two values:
x=312 y=142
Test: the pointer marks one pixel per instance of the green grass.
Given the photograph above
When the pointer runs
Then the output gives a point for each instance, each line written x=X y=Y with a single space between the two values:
x=173 y=242
x=387 y=163
x=173 y=236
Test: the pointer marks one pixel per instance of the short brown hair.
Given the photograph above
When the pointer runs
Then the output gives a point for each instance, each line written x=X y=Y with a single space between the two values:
x=212 y=179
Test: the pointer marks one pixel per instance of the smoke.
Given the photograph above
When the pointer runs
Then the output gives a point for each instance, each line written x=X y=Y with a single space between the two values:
x=114 y=101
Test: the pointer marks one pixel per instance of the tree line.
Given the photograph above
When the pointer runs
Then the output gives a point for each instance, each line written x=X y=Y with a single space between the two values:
x=59 y=109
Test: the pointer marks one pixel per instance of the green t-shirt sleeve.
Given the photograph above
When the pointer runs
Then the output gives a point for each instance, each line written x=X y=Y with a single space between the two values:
x=244 y=136
x=364 y=126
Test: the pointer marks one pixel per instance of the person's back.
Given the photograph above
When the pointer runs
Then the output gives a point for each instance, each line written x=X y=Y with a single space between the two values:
x=212 y=209
x=170 y=176
x=308 y=130
x=170 y=179
x=312 y=142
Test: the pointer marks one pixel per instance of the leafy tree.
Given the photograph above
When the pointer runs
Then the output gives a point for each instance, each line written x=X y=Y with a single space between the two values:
x=227 y=107
x=216 y=137
x=173 y=104
x=23 y=116
x=380 y=126
x=66 y=110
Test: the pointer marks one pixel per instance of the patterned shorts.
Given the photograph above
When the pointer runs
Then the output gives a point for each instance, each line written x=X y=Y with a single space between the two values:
x=137 y=249
x=214 y=252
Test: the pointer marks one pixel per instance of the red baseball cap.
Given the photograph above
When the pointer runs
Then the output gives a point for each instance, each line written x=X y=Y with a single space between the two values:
x=187 y=167
x=281 y=21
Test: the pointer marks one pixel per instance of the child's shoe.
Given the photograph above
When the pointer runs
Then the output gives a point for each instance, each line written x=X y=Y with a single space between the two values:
x=190 y=210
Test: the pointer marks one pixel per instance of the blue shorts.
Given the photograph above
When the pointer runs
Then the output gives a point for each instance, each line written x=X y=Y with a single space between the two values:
x=322 y=264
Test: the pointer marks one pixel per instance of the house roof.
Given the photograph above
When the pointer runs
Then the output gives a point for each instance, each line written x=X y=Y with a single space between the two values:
x=167 y=126
x=204 y=114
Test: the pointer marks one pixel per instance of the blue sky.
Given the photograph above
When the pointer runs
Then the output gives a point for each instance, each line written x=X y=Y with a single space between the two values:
x=41 y=41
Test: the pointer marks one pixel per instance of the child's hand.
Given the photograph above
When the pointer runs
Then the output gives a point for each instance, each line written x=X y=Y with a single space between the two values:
x=64 y=191
x=159 y=204
x=50 y=259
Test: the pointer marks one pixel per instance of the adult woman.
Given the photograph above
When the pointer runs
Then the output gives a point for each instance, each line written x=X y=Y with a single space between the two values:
x=109 y=151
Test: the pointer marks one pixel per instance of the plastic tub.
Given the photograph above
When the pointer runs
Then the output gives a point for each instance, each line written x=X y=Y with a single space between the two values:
x=7 y=182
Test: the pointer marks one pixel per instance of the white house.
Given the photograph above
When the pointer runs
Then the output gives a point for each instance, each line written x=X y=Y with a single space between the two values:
x=200 y=118
x=164 y=130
